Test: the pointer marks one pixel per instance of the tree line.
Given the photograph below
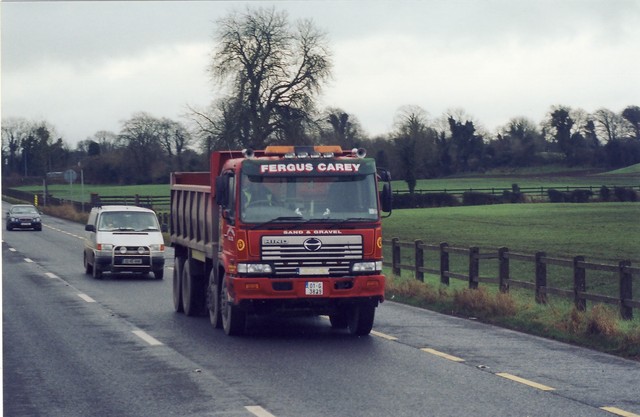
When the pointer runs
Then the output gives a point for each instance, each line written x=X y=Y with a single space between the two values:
x=269 y=72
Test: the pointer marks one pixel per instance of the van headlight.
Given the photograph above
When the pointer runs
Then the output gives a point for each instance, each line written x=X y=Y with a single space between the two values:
x=371 y=266
x=104 y=247
x=157 y=247
x=254 y=269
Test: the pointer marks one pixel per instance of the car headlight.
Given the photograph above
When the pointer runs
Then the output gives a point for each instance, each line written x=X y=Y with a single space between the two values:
x=36 y=220
x=254 y=269
x=371 y=266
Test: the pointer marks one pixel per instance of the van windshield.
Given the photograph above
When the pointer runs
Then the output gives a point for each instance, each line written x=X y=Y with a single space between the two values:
x=128 y=221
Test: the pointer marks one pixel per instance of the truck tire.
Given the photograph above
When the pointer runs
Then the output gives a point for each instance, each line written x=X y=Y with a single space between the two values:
x=361 y=319
x=339 y=319
x=213 y=300
x=178 y=264
x=233 y=319
x=193 y=296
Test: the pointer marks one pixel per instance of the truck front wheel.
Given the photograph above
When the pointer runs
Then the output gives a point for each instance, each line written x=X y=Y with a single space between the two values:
x=213 y=301
x=233 y=319
x=361 y=319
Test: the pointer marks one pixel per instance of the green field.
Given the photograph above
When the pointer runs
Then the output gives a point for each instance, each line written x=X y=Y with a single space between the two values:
x=605 y=231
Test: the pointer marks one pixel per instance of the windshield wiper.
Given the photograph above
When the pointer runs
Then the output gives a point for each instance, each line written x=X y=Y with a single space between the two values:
x=282 y=219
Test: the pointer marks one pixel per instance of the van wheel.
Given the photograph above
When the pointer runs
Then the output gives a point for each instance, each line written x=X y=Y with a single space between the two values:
x=193 y=296
x=213 y=301
x=158 y=273
x=88 y=269
x=233 y=318
x=97 y=272
x=178 y=264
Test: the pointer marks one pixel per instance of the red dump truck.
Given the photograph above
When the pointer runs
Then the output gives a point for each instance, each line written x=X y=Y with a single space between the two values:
x=285 y=230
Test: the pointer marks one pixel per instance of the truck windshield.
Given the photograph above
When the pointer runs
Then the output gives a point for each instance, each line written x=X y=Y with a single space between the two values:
x=303 y=198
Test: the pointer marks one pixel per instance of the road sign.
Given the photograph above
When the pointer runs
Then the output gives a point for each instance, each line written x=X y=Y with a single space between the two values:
x=70 y=175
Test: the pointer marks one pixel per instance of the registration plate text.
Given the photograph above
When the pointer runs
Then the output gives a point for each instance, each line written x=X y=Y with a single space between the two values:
x=313 y=288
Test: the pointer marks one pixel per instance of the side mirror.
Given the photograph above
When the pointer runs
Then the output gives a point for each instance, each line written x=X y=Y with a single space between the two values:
x=90 y=228
x=386 y=198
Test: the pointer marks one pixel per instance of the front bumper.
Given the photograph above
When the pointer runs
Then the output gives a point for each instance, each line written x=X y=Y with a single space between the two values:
x=317 y=290
x=112 y=262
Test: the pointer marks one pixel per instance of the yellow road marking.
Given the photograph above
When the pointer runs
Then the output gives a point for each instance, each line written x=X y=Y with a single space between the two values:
x=619 y=412
x=258 y=411
x=525 y=381
x=442 y=355
x=382 y=335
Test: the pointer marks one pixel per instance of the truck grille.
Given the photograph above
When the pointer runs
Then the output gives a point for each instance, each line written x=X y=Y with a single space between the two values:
x=288 y=254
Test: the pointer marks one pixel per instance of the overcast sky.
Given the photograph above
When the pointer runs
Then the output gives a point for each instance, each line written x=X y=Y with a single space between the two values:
x=88 y=66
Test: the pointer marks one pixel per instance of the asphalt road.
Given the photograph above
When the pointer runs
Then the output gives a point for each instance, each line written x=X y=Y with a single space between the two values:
x=75 y=346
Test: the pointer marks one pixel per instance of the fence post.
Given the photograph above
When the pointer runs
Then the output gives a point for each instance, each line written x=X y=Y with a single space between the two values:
x=419 y=258
x=541 y=279
x=395 y=256
x=444 y=263
x=579 y=284
x=503 y=269
x=626 y=287
x=474 y=267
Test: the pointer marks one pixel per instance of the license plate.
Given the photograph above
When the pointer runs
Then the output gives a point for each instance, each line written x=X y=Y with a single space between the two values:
x=25 y=224
x=313 y=288
x=132 y=261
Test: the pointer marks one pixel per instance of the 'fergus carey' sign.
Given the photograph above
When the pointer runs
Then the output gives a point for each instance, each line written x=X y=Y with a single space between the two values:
x=309 y=167
x=318 y=167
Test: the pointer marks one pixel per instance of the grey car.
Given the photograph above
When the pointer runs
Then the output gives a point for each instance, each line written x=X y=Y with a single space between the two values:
x=24 y=216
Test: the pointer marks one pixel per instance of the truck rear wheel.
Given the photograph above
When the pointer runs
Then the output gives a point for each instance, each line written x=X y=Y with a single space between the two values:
x=192 y=292
x=213 y=301
x=361 y=319
x=178 y=264
x=233 y=319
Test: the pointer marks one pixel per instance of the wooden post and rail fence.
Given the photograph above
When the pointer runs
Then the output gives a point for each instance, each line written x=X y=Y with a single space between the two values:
x=504 y=279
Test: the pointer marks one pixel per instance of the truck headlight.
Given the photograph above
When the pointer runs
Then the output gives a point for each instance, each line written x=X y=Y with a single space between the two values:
x=371 y=266
x=254 y=269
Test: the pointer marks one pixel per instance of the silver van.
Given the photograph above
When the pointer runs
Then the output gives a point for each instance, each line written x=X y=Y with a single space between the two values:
x=123 y=239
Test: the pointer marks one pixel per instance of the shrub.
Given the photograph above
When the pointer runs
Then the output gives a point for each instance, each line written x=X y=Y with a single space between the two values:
x=556 y=196
x=605 y=193
x=580 y=196
x=436 y=200
x=471 y=198
x=625 y=194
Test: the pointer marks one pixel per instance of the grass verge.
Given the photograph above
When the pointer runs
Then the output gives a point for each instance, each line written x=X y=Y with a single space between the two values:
x=599 y=327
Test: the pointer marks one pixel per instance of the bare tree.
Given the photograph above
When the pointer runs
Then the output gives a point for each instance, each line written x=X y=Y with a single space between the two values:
x=611 y=125
x=632 y=115
x=274 y=71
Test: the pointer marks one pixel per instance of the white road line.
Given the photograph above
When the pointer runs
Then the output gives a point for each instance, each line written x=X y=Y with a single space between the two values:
x=258 y=411
x=442 y=355
x=382 y=335
x=51 y=275
x=525 y=381
x=86 y=298
x=619 y=412
x=12 y=250
x=27 y=260
x=147 y=338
